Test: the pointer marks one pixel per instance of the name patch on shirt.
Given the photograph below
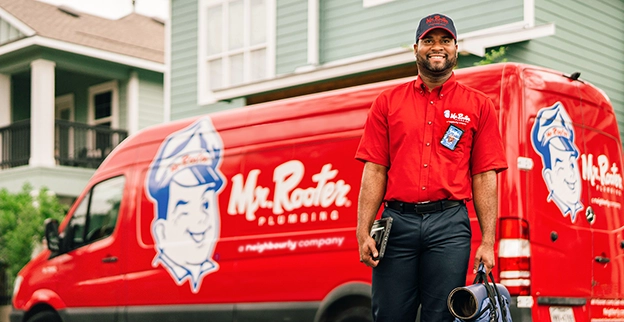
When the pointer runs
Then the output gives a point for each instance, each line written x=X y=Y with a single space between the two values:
x=451 y=137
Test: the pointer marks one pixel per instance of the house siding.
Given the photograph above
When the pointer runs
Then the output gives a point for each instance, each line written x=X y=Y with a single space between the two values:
x=588 y=40
x=348 y=29
x=8 y=33
x=150 y=99
x=292 y=35
x=184 y=58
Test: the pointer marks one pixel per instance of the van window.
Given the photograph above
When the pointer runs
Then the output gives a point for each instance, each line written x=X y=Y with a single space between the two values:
x=96 y=216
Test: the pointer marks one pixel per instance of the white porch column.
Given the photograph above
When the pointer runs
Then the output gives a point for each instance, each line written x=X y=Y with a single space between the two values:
x=5 y=110
x=5 y=100
x=42 y=113
x=133 y=103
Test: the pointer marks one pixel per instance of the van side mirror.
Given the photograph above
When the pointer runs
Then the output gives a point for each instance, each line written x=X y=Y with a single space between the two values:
x=52 y=234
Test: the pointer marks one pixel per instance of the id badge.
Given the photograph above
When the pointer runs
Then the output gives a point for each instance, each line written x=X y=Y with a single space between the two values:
x=451 y=137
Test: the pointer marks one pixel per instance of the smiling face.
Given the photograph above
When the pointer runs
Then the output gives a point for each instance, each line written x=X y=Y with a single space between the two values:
x=563 y=177
x=436 y=53
x=189 y=233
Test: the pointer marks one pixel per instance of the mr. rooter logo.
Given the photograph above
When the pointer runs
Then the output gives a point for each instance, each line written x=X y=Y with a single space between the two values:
x=289 y=197
x=437 y=20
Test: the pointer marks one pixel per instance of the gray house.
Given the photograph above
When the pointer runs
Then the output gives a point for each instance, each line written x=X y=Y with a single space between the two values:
x=72 y=87
x=227 y=54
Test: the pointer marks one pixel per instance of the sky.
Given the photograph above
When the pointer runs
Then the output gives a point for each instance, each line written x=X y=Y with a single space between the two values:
x=114 y=9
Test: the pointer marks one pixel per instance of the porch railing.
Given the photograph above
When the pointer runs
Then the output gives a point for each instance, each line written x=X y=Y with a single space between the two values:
x=75 y=144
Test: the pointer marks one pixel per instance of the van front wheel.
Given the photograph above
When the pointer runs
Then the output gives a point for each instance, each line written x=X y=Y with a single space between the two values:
x=355 y=314
x=44 y=316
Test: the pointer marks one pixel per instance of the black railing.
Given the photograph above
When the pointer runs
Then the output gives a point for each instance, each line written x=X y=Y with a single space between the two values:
x=75 y=144
x=15 y=144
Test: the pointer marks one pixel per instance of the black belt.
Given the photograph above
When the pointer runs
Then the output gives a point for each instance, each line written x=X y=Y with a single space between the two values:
x=423 y=208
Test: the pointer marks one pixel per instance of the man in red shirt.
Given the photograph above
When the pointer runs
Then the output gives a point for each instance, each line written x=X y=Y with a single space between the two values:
x=429 y=146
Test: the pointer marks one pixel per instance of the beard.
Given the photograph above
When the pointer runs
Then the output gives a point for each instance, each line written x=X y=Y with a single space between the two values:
x=428 y=69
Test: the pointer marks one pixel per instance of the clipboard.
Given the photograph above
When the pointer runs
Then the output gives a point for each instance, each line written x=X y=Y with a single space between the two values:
x=380 y=232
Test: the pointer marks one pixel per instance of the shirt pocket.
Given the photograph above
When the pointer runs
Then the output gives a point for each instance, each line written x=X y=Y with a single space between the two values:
x=451 y=146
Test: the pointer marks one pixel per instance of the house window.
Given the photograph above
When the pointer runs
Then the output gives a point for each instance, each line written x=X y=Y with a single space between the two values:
x=104 y=115
x=236 y=42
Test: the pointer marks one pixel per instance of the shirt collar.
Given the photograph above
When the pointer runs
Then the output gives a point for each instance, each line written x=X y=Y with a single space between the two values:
x=444 y=89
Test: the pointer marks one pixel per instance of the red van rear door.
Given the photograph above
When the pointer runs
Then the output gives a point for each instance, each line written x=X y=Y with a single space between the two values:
x=602 y=170
x=561 y=253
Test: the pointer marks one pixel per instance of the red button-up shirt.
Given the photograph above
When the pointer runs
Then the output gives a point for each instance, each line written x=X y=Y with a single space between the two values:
x=432 y=143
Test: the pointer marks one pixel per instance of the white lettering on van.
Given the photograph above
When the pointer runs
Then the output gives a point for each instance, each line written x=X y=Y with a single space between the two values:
x=247 y=196
x=603 y=171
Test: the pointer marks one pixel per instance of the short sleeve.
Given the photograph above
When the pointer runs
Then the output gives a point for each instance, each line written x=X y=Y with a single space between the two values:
x=374 y=142
x=488 y=152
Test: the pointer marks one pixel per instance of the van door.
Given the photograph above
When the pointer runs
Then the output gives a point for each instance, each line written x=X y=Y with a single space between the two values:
x=301 y=230
x=556 y=196
x=602 y=170
x=89 y=271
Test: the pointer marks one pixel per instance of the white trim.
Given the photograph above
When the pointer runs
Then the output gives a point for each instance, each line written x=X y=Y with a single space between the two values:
x=204 y=94
x=68 y=100
x=5 y=100
x=113 y=87
x=477 y=45
x=16 y=23
x=372 y=3
x=167 y=75
x=313 y=32
x=133 y=103
x=271 y=8
x=82 y=50
x=60 y=102
x=529 y=13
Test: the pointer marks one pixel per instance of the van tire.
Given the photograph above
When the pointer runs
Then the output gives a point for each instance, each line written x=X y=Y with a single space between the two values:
x=45 y=316
x=355 y=314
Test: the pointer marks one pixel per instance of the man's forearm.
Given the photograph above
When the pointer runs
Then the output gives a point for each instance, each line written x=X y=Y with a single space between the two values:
x=372 y=190
x=486 y=204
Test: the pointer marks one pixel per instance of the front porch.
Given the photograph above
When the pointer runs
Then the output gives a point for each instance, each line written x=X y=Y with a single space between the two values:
x=75 y=144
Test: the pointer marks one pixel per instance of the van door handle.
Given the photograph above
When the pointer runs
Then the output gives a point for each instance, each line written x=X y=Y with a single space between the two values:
x=602 y=260
x=111 y=259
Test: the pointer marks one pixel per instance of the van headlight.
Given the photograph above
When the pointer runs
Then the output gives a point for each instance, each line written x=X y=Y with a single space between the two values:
x=18 y=283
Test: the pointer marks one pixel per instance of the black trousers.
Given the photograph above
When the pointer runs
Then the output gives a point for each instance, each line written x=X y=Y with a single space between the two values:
x=426 y=257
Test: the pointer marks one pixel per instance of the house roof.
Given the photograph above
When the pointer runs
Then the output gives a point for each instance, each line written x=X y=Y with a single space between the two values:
x=133 y=35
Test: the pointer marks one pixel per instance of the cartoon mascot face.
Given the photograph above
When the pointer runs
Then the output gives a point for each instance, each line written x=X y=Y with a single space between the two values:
x=183 y=182
x=553 y=138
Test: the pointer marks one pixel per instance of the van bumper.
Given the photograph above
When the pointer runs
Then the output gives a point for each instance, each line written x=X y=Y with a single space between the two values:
x=518 y=314
x=16 y=315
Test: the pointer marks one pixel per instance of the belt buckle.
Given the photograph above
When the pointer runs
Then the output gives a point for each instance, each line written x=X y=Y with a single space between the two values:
x=426 y=207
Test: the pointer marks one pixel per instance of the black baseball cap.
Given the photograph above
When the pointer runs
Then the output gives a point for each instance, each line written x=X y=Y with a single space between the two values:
x=433 y=21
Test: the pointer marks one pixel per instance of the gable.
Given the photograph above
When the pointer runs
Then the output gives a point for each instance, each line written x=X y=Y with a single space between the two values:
x=12 y=29
x=8 y=33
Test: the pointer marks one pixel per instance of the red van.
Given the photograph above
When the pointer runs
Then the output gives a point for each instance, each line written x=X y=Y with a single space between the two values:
x=250 y=214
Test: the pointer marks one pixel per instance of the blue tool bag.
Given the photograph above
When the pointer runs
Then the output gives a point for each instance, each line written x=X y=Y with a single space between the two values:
x=481 y=301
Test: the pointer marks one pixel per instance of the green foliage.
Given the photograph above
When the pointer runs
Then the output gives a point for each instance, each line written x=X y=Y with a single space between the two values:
x=494 y=56
x=21 y=224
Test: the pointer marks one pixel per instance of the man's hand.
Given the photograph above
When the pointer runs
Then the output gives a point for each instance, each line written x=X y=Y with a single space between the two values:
x=367 y=250
x=485 y=254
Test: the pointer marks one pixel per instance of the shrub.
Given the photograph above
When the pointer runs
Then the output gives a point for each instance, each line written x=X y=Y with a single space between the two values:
x=21 y=225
